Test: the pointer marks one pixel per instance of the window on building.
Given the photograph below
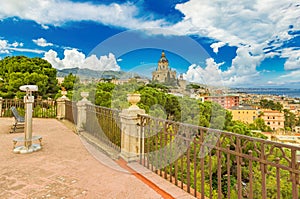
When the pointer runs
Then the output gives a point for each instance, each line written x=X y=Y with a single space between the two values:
x=268 y=123
x=273 y=118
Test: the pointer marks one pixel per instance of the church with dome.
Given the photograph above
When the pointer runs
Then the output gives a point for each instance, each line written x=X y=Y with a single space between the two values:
x=163 y=73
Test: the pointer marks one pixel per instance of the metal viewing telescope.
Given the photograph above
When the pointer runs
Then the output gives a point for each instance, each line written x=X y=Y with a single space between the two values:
x=28 y=138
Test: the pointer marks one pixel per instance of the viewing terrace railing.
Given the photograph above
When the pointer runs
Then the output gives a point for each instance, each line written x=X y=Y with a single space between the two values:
x=216 y=164
x=104 y=124
x=41 y=108
x=207 y=163
x=71 y=111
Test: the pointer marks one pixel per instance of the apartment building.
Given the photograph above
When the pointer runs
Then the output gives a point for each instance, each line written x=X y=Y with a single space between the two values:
x=245 y=114
x=274 y=119
x=226 y=101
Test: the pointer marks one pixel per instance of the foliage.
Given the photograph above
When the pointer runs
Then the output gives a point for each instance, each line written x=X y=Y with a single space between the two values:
x=160 y=87
x=259 y=124
x=103 y=94
x=157 y=102
x=297 y=121
x=20 y=70
x=270 y=104
x=186 y=159
x=69 y=81
x=290 y=120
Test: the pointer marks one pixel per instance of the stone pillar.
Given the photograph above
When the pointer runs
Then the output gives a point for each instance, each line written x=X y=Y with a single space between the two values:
x=61 y=106
x=1 y=101
x=81 y=111
x=130 y=131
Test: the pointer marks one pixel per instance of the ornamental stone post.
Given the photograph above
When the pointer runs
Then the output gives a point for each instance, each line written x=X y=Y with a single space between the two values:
x=61 y=106
x=130 y=131
x=81 y=111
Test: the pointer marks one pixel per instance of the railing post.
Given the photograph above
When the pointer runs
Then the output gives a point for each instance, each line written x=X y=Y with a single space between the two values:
x=1 y=100
x=130 y=131
x=81 y=111
x=61 y=106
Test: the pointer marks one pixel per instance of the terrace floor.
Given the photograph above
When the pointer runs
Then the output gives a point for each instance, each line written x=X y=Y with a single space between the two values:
x=68 y=167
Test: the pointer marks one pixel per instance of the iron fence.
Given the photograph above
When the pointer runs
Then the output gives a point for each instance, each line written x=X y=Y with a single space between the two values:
x=211 y=163
x=104 y=124
x=71 y=111
x=41 y=108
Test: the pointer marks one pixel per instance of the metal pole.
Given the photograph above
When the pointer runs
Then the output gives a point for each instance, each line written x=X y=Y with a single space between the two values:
x=28 y=100
x=28 y=139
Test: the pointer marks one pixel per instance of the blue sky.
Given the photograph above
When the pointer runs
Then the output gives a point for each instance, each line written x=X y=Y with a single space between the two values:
x=250 y=43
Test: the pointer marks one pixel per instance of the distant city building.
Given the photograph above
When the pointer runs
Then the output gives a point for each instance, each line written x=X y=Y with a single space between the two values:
x=274 y=119
x=60 y=80
x=125 y=81
x=164 y=74
x=287 y=139
x=245 y=114
x=297 y=129
x=226 y=101
x=181 y=82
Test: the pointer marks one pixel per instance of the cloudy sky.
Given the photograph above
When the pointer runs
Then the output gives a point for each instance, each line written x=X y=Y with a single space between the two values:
x=249 y=43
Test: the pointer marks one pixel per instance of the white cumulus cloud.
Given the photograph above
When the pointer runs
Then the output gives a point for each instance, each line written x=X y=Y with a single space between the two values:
x=209 y=75
x=240 y=22
x=293 y=58
x=250 y=25
x=6 y=47
x=58 y=12
x=241 y=72
x=42 y=42
x=75 y=59
x=216 y=46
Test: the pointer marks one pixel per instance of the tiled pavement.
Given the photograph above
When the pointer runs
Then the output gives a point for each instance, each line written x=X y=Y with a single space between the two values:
x=67 y=167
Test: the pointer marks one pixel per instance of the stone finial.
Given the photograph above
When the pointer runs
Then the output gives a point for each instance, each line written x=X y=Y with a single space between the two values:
x=133 y=99
x=84 y=95
x=64 y=93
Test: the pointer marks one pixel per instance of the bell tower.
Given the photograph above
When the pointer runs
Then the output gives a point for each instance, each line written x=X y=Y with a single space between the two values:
x=163 y=63
x=163 y=74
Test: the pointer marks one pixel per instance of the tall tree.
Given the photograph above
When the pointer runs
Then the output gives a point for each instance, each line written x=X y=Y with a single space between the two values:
x=69 y=81
x=20 y=70
x=289 y=120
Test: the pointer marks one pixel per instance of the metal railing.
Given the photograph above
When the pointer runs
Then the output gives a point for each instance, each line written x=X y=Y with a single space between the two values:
x=104 y=124
x=41 y=108
x=71 y=111
x=211 y=163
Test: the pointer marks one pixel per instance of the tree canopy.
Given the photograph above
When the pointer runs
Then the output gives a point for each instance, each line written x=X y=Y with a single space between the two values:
x=270 y=104
x=69 y=81
x=20 y=70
